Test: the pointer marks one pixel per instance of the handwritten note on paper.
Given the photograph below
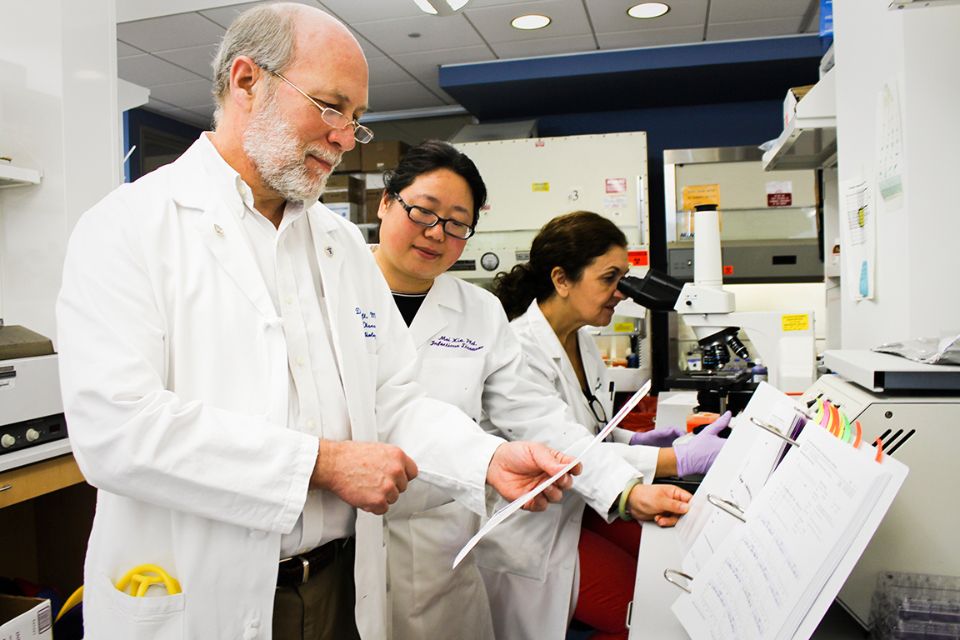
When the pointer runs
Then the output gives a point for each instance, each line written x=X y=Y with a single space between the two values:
x=763 y=580
x=508 y=510
x=737 y=475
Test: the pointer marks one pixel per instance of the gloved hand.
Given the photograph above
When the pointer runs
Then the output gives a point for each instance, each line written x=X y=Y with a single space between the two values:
x=658 y=437
x=698 y=453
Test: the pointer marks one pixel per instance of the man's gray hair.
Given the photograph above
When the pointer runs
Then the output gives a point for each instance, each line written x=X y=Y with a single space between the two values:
x=265 y=33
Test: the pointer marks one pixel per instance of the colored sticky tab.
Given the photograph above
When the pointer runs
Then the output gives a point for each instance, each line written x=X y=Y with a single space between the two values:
x=845 y=432
x=856 y=441
x=818 y=415
x=834 y=420
x=879 y=450
x=795 y=321
x=624 y=327
x=540 y=186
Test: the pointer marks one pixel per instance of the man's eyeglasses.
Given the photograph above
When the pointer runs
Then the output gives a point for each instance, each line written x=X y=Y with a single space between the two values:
x=427 y=218
x=596 y=408
x=330 y=115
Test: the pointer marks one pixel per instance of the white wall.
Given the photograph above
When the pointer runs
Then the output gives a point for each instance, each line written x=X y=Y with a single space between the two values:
x=918 y=258
x=58 y=113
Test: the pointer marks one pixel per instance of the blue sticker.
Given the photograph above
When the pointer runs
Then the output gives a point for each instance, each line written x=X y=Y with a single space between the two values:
x=864 y=280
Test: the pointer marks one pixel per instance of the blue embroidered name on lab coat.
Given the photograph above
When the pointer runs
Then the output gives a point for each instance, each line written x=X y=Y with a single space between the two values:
x=456 y=343
x=369 y=322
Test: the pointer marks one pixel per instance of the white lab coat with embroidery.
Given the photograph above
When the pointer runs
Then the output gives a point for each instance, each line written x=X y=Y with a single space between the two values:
x=530 y=564
x=175 y=379
x=470 y=357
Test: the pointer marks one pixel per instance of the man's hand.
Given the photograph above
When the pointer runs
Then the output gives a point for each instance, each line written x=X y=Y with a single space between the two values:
x=518 y=467
x=366 y=475
x=662 y=503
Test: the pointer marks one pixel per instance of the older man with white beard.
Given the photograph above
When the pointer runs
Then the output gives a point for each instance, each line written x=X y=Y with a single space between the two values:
x=238 y=382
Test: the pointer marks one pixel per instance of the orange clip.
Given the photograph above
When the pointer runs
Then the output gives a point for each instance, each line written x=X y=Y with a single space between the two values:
x=879 y=449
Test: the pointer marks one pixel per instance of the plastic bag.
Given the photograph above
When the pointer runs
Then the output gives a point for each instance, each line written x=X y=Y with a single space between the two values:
x=926 y=350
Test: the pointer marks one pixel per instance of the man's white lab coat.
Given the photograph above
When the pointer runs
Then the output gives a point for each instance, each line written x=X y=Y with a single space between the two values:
x=175 y=379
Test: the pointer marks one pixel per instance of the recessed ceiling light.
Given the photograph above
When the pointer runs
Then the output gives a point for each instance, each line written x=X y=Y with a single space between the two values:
x=529 y=22
x=648 y=10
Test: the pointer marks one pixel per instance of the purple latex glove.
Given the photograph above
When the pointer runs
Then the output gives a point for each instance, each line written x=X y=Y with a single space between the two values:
x=698 y=453
x=657 y=437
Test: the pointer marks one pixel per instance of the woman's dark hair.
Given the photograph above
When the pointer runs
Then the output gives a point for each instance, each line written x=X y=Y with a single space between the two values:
x=571 y=242
x=432 y=155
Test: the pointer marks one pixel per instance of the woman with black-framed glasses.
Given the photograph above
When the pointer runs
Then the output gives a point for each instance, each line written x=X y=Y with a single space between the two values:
x=469 y=356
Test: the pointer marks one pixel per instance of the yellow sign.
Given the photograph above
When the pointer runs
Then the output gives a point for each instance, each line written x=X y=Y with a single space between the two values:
x=694 y=194
x=541 y=186
x=795 y=321
x=624 y=327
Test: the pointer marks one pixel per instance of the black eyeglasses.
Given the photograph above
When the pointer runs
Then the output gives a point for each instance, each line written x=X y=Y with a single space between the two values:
x=427 y=218
x=596 y=408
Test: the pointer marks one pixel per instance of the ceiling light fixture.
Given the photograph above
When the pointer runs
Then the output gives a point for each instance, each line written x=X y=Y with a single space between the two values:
x=530 y=22
x=647 y=10
x=441 y=7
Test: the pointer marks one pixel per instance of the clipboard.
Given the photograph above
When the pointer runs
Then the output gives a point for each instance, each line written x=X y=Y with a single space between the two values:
x=792 y=549
x=663 y=550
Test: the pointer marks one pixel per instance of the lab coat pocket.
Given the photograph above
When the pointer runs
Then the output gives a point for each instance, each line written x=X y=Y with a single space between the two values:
x=438 y=534
x=119 y=616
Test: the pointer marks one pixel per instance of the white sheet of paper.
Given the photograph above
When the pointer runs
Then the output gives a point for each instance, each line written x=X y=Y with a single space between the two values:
x=508 y=510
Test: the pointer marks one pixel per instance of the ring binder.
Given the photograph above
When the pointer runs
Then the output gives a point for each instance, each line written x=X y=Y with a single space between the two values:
x=726 y=506
x=774 y=431
x=668 y=576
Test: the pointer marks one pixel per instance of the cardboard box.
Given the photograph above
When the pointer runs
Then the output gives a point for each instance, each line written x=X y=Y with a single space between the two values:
x=383 y=155
x=794 y=95
x=372 y=205
x=25 y=618
x=344 y=189
x=351 y=161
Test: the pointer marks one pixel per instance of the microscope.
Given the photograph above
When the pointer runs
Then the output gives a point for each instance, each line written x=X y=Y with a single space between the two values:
x=784 y=341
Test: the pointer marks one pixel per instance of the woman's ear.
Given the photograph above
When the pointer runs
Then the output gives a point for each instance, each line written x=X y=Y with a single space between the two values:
x=560 y=282
x=384 y=203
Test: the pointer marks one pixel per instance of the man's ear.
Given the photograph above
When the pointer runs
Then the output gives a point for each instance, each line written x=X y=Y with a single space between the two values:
x=245 y=76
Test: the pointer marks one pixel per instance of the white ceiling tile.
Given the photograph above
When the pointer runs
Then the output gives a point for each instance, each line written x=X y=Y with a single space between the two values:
x=750 y=10
x=544 y=47
x=355 y=12
x=196 y=59
x=224 y=16
x=125 y=51
x=425 y=65
x=610 y=16
x=369 y=50
x=183 y=93
x=567 y=19
x=753 y=29
x=386 y=71
x=391 y=36
x=650 y=38
x=170 y=32
x=150 y=71
x=401 y=95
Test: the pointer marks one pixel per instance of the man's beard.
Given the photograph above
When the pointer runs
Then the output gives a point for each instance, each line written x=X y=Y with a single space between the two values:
x=280 y=159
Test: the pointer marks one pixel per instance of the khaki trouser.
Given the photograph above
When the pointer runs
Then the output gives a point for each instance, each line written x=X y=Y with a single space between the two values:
x=321 y=609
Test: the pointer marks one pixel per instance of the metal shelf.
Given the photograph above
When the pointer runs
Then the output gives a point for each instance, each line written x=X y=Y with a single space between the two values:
x=11 y=176
x=809 y=140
